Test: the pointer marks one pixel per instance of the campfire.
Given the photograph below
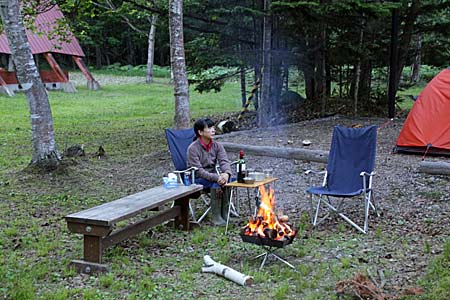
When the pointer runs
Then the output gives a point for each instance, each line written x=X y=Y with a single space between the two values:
x=267 y=228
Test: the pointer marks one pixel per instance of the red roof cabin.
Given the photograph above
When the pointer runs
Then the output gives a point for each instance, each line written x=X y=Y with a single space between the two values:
x=55 y=78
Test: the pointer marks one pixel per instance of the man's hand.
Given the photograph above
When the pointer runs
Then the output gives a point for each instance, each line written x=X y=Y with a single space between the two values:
x=223 y=178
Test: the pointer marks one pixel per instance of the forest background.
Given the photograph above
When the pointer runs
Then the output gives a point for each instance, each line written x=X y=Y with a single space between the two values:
x=350 y=53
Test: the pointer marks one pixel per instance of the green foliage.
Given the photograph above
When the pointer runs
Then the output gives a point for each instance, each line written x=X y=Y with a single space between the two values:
x=117 y=69
x=437 y=279
x=213 y=79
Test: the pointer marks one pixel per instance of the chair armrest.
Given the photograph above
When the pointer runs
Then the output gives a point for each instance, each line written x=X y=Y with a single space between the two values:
x=307 y=172
x=187 y=170
x=315 y=172
x=367 y=174
x=218 y=171
x=363 y=175
x=191 y=169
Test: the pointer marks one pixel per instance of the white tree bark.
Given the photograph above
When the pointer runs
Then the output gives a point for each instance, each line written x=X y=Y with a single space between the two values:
x=151 y=48
x=42 y=134
x=178 y=64
x=214 y=267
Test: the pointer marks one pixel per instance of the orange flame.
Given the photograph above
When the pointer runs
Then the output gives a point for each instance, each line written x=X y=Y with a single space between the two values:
x=266 y=223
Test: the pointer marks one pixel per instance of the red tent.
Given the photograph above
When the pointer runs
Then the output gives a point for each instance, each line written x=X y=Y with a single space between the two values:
x=427 y=128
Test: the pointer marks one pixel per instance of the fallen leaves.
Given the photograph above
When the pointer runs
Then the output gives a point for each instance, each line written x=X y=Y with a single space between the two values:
x=362 y=287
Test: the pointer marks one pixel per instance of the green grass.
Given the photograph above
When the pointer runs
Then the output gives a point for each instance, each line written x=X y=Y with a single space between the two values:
x=437 y=279
x=128 y=121
x=131 y=114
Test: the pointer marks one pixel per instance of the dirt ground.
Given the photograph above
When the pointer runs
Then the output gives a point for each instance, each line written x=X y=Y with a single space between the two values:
x=414 y=207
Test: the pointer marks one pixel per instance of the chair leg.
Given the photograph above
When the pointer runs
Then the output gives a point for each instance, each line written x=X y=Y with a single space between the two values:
x=373 y=204
x=317 y=210
x=230 y=201
x=366 y=215
x=204 y=214
x=192 y=212
x=347 y=219
x=369 y=202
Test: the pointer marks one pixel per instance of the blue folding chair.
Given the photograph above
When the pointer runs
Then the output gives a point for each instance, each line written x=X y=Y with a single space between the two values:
x=348 y=174
x=178 y=141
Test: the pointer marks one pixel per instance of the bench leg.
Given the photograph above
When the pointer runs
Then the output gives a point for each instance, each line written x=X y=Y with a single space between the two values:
x=182 y=221
x=93 y=248
x=92 y=256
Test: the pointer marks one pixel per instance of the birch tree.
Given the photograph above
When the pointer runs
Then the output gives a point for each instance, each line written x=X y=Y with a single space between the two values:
x=151 y=49
x=122 y=12
x=44 y=154
x=178 y=65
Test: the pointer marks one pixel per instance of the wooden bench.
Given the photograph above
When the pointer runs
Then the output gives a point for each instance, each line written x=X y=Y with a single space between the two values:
x=97 y=223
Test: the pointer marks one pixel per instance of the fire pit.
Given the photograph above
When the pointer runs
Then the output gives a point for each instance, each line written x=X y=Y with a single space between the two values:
x=268 y=230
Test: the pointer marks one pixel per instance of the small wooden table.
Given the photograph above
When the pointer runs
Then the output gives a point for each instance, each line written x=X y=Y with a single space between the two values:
x=233 y=194
x=97 y=223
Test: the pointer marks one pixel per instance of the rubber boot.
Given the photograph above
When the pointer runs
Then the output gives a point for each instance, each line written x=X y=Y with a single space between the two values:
x=225 y=203
x=216 y=208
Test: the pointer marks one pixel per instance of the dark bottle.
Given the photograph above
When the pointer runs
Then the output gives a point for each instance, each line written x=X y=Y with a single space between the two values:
x=241 y=166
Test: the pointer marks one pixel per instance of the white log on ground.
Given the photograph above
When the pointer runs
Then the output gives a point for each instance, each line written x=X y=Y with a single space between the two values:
x=285 y=152
x=214 y=267
x=434 y=167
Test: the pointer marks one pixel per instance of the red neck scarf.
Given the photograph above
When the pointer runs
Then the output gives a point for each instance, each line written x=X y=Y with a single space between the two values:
x=206 y=146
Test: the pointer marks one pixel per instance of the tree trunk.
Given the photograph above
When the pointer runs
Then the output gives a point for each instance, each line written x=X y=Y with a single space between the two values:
x=177 y=60
x=243 y=88
x=406 y=37
x=44 y=154
x=130 y=48
x=257 y=37
x=392 y=89
x=286 y=77
x=276 y=76
x=264 y=113
x=358 y=71
x=151 y=48
x=257 y=78
x=415 y=66
x=399 y=50
x=320 y=73
x=365 y=80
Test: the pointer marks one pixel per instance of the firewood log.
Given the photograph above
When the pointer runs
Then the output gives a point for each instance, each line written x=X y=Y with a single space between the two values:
x=285 y=152
x=214 y=267
x=431 y=167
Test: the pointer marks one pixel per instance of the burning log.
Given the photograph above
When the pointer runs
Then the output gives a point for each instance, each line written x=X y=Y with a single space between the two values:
x=214 y=267
x=283 y=218
x=270 y=233
x=266 y=227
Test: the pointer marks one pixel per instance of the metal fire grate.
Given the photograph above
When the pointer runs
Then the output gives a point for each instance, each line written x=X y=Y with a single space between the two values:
x=269 y=245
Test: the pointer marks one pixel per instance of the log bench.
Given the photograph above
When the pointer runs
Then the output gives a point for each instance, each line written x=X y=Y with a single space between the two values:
x=97 y=223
